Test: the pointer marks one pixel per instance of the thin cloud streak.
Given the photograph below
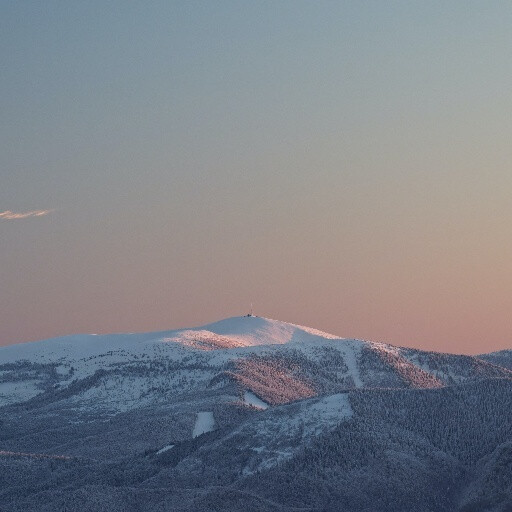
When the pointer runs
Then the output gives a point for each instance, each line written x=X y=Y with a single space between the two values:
x=9 y=215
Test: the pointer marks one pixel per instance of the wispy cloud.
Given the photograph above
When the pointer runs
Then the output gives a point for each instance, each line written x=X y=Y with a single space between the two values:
x=8 y=215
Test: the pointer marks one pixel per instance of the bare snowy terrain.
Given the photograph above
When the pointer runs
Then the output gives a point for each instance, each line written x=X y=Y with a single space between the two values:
x=251 y=414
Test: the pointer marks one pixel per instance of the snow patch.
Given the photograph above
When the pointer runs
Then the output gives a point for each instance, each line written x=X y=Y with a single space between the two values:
x=331 y=409
x=164 y=449
x=18 y=391
x=350 y=355
x=204 y=423
x=254 y=401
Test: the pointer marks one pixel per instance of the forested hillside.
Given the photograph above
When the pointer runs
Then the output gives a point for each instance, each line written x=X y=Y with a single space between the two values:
x=252 y=414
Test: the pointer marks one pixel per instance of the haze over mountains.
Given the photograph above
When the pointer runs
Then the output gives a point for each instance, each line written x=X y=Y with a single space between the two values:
x=250 y=413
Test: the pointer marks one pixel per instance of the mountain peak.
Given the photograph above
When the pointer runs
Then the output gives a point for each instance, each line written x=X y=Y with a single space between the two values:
x=255 y=330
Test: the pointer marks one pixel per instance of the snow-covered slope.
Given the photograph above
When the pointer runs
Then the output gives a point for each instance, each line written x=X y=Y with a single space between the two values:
x=502 y=358
x=278 y=362
x=28 y=369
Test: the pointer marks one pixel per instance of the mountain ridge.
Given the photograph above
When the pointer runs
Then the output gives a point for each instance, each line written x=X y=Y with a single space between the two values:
x=253 y=351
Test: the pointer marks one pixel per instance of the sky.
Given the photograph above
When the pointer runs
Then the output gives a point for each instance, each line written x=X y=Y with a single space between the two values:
x=344 y=165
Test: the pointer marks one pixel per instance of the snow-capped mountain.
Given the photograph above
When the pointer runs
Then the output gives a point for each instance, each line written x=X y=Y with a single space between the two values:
x=218 y=411
x=277 y=361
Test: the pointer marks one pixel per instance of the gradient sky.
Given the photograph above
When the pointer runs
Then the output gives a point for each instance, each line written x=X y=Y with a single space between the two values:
x=343 y=165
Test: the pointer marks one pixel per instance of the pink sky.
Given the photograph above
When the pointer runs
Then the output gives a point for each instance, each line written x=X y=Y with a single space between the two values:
x=342 y=165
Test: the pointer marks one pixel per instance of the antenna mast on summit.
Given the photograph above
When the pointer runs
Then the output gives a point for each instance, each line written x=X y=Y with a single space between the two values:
x=251 y=310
